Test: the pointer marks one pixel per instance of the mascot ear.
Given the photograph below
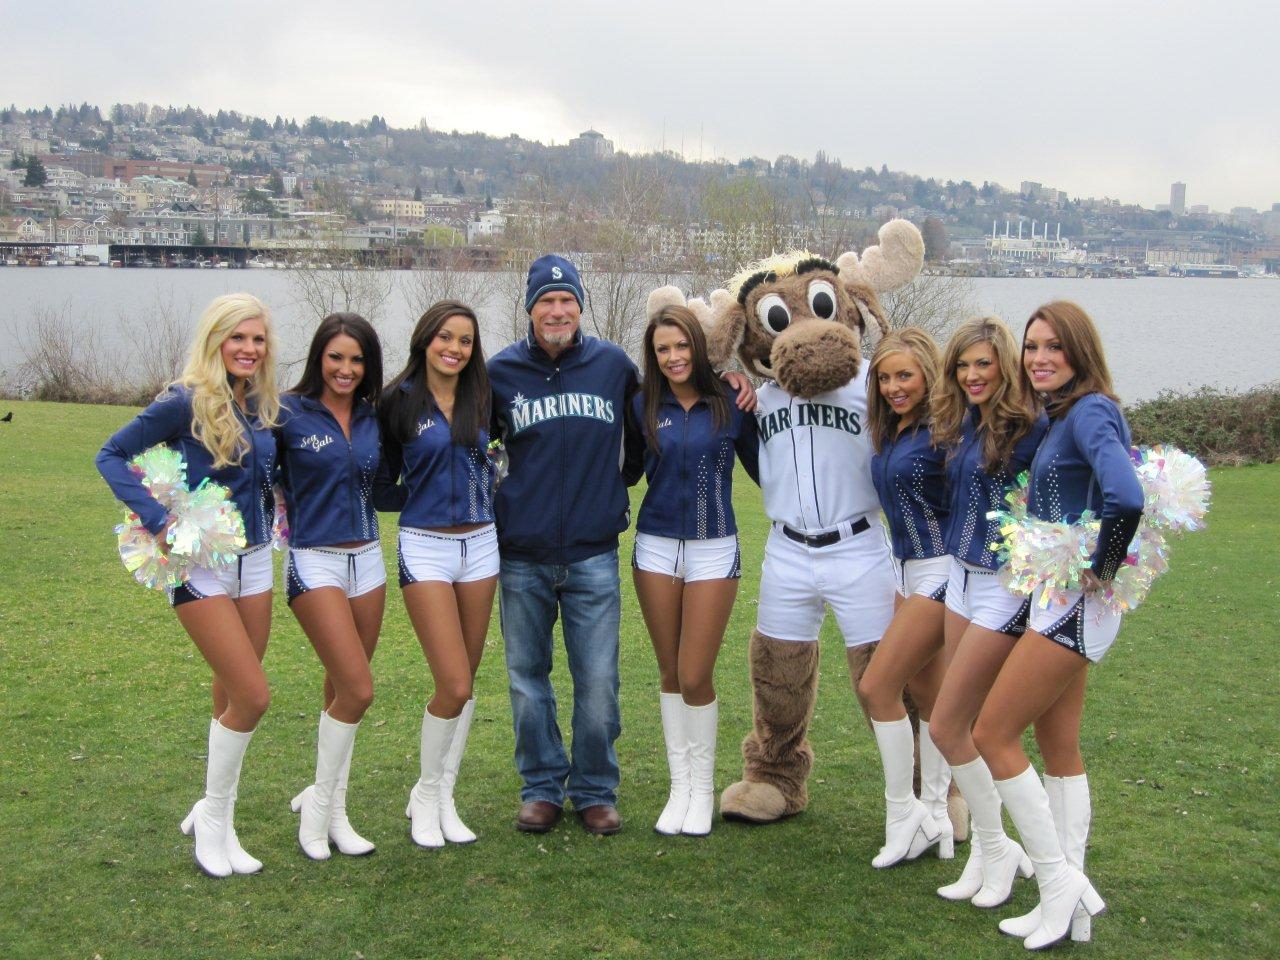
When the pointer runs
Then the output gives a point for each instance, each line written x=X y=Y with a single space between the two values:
x=667 y=296
x=889 y=265
x=724 y=323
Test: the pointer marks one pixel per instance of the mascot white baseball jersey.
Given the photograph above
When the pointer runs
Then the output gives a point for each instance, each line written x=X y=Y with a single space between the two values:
x=827 y=544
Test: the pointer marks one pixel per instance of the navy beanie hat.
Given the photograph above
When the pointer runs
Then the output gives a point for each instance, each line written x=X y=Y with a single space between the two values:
x=552 y=273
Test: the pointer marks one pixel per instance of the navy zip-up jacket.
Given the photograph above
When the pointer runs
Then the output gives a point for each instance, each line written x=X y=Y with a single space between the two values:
x=571 y=460
x=690 y=495
x=327 y=479
x=974 y=493
x=1084 y=464
x=911 y=480
x=168 y=420
x=433 y=481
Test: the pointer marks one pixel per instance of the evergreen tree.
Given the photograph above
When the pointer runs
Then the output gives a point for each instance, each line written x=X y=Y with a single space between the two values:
x=200 y=238
x=191 y=177
x=417 y=193
x=36 y=176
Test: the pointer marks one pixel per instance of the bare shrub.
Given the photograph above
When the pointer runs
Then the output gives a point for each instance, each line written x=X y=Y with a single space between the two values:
x=158 y=336
x=63 y=360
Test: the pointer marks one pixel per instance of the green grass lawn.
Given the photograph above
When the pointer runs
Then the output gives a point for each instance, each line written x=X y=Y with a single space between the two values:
x=103 y=718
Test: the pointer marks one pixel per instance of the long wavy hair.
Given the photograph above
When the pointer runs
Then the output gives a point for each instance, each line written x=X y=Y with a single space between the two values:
x=703 y=378
x=1009 y=413
x=1082 y=349
x=311 y=383
x=924 y=351
x=213 y=407
x=401 y=409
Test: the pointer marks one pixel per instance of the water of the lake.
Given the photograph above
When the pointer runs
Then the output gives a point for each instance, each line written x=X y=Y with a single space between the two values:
x=1159 y=333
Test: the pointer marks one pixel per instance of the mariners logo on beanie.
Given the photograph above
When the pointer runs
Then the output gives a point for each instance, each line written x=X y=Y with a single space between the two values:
x=552 y=273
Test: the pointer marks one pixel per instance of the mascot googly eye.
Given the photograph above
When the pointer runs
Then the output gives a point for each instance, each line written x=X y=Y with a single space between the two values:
x=798 y=318
x=773 y=313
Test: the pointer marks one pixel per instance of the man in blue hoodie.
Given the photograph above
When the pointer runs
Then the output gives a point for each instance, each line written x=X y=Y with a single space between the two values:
x=558 y=403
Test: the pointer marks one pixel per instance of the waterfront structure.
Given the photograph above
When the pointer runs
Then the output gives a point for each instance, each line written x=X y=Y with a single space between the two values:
x=1031 y=248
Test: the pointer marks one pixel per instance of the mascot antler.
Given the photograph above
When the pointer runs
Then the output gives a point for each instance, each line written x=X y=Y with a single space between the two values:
x=889 y=265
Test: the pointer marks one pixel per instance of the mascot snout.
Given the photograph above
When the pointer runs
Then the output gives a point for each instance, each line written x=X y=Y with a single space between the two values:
x=814 y=356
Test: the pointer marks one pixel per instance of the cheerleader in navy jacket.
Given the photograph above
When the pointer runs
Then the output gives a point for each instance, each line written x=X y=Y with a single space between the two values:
x=219 y=416
x=909 y=473
x=436 y=472
x=687 y=562
x=983 y=414
x=1082 y=465
x=328 y=448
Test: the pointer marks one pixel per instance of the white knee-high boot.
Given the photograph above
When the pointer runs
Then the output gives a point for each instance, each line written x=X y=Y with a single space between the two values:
x=241 y=861
x=334 y=743
x=341 y=833
x=1072 y=814
x=210 y=818
x=451 y=825
x=676 y=737
x=905 y=816
x=1002 y=860
x=701 y=724
x=935 y=779
x=424 y=799
x=1063 y=888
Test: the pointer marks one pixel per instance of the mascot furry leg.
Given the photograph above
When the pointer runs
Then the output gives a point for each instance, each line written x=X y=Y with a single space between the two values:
x=777 y=755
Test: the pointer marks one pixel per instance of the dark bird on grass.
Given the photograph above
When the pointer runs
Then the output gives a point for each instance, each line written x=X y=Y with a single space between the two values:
x=7 y=418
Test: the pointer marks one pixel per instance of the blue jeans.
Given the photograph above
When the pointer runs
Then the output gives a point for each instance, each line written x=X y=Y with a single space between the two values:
x=587 y=595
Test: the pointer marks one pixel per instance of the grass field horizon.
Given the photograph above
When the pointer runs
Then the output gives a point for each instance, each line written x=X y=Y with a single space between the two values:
x=104 y=714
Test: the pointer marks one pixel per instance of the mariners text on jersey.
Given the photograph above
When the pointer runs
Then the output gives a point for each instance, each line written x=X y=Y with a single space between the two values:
x=809 y=414
x=525 y=413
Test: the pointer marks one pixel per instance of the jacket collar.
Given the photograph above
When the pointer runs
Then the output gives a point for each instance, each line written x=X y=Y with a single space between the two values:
x=669 y=397
x=360 y=408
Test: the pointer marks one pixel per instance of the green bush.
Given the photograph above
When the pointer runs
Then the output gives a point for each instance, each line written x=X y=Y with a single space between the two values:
x=1219 y=427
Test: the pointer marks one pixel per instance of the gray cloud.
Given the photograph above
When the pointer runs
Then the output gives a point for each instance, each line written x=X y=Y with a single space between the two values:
x=1093 y=98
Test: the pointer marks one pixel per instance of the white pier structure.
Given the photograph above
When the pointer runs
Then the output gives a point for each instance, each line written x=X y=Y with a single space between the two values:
x=1036 y=247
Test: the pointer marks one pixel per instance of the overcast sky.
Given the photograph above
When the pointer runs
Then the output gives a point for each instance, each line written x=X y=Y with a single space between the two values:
x=1098 y=99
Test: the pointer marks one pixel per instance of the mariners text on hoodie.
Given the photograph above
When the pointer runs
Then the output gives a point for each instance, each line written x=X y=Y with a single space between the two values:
x=562 y=422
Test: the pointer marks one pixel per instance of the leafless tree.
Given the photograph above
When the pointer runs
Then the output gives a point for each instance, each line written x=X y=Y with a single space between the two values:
x=157 y=335
x=935 y=302
x=320 y=292
x=453 y=277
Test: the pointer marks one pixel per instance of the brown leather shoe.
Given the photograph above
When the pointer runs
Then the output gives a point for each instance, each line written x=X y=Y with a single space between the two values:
x=538 y=816
x=602 y=819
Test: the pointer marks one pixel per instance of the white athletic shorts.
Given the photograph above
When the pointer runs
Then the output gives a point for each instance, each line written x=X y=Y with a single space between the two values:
x=688 y=560
x=853 y=575
x=450 y=557
x=353 y=570
x=924 y=578
x=977 y=594
x=1079 y=622
x=251 y=572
